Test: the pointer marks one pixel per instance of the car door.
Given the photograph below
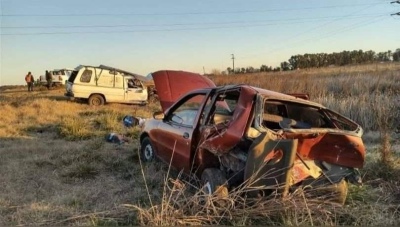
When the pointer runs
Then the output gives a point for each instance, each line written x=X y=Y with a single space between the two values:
x=176 y=134
x=134 y=91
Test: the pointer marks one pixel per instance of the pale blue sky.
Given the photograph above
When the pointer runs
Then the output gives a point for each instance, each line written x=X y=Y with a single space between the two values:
x=145 y=36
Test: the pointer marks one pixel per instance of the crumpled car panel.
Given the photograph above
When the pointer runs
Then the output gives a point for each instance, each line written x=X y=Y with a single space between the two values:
x=269 y=162
x=222 y=138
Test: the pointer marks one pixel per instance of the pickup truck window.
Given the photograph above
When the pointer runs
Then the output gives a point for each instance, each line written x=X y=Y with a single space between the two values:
x=86 y=76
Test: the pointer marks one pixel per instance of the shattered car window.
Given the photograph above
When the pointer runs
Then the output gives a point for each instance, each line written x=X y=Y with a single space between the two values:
x=341 y=122
x=224 y=105
x=309 y=115
x=227 y=103
x=186 y=113
x=278 y=115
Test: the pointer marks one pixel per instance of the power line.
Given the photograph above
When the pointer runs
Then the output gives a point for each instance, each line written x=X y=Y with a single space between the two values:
x=186 y=13
x=297 y=20
x=296 y=36
x=144 y=30
x=332 y=33
x=141 y=31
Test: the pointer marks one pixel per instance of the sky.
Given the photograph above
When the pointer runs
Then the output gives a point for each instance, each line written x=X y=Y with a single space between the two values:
x=198 y=36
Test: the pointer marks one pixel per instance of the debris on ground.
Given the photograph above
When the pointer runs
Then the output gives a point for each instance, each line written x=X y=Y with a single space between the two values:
x=116 y=138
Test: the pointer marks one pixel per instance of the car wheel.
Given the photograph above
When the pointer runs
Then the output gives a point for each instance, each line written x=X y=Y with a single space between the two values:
x=146 y=150
x=96 y=100
x=212 y=178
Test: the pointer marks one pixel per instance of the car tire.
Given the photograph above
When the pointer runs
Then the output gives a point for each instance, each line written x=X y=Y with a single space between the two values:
x=146 y=150
x=211 y=179
x=96 y=100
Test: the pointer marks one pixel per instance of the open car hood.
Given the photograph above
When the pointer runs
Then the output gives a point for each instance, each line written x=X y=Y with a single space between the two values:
x=171 y=85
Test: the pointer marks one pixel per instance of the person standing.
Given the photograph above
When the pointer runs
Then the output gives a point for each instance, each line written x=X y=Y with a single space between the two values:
x=49 y=79
x=29 y=81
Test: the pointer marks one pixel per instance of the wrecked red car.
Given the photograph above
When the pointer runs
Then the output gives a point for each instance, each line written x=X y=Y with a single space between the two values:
x=229 y=134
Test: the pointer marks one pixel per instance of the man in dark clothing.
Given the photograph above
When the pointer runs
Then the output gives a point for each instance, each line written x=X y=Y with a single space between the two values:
x=49 y=79
x=29 y=81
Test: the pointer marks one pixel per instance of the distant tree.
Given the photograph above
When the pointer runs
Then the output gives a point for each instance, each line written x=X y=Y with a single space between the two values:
x=396 y=55
x=263 y=68
x=369 y=56
x=382 y=56
x=285 y=66
x=250 y=69
x=294 y=61
x=324 y=60
x=229 y=70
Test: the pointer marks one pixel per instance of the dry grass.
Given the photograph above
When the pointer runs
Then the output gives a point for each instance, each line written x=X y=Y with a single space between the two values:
x=370 y=94
x=184 y=203
x=57 y=169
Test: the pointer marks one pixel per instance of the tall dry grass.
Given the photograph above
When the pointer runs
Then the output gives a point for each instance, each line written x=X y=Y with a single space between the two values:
x=369 y=94
x=184 y=203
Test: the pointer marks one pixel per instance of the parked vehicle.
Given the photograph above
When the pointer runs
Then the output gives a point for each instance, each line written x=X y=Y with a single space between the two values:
x=59 y=77
x=238 y=133
x=104 y=84
x=64 y=73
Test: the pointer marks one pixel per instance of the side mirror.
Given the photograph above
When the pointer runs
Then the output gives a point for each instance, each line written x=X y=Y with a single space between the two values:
x=159 y=115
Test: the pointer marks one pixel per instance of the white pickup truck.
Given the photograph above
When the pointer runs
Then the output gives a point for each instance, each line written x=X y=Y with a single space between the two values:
x=59 y=77
x=102 y=84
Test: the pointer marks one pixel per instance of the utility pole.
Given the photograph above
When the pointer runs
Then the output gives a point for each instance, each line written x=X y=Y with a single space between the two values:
x=233 y=63
x=395 y=14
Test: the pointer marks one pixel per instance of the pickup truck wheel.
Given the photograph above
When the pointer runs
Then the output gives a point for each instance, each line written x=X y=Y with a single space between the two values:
x=96 y=100
x=212 y=178
x=146 y=150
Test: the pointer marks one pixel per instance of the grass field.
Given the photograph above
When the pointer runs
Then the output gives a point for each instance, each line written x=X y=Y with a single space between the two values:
x=56 y=167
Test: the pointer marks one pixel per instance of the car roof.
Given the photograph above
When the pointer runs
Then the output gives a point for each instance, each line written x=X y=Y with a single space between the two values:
x=269 y=94
x=137 y=76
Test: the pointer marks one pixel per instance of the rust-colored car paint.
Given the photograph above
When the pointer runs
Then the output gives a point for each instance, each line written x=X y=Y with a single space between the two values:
x=300 y=95
x=171 y=85
x=348 y=150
